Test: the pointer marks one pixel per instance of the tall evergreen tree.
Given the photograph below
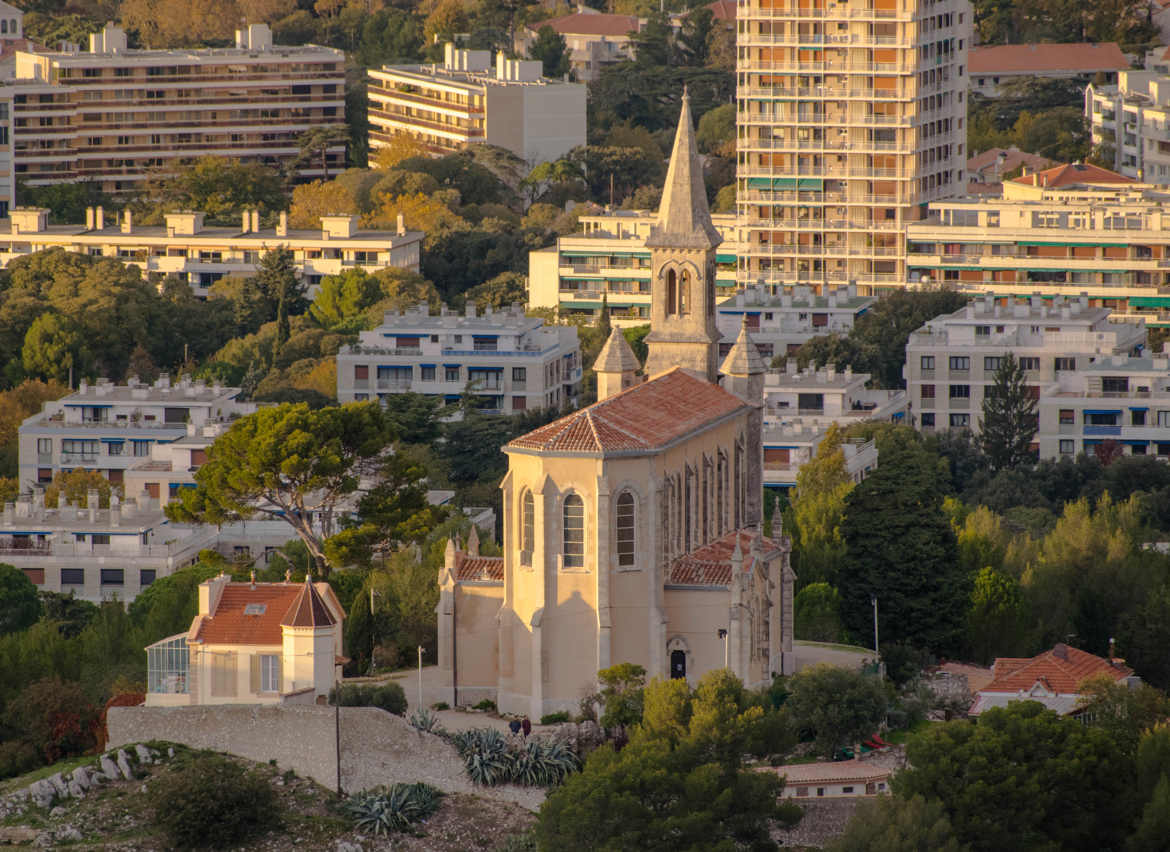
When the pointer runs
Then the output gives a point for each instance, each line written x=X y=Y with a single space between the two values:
x=604 y=325
x=553 y=52
x=1009 y=416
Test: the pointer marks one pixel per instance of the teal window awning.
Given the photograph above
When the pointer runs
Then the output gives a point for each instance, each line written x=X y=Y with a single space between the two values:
x=1149 y=301
x=726 y=258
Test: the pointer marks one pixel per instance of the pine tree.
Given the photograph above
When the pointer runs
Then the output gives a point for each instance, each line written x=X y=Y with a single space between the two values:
x=1009 y=416
x=604 y=326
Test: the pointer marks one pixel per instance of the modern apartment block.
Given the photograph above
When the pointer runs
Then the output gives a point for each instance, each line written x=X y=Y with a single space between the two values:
x=779 y=322
x=111 y=428
x=1067 y=231
x=1132 y=118
x=510 y=362
x=115 y=115
x=467 y=100
x=609 y=260
x=952 y=359
x=1124 y=400
x=202 y=254
x=801 y=405
x=850 y=121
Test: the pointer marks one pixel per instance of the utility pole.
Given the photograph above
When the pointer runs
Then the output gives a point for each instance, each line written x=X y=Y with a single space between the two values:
x=873 y=600
x=726 y=654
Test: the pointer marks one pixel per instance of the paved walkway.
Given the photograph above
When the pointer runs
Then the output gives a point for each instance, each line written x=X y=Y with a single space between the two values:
x=811 y=653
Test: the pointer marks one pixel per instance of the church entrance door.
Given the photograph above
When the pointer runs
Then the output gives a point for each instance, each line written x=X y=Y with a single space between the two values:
x=678 y=664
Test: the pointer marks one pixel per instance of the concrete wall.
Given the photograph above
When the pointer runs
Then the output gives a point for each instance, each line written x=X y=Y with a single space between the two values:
x=376 y=747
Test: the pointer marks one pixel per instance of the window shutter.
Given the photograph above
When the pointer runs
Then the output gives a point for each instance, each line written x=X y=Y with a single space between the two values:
x=255 y=674
x=279 y=673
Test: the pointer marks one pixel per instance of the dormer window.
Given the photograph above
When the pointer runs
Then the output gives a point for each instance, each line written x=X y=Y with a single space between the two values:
x=255 y=609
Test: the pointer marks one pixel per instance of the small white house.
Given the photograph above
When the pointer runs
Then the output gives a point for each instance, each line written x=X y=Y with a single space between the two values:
x=836 y=779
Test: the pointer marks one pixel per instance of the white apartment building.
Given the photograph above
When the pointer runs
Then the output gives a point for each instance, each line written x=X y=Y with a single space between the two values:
x=850 y=119
x=1071 y=230
x=112 y=428
x=1121 y=399
x=467 y=100
x=115 y=115
x=952 y=359
x=1132 y=118
x=609 y=260
x=595 y=40
x=202 y=254
x=509 y=361
x=780 y=322
x=799 y=408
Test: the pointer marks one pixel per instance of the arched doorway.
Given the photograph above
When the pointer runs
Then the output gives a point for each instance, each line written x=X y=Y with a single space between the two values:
x=678 y=664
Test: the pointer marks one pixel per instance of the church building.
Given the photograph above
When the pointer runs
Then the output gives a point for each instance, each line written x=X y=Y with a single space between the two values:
x=633 y=527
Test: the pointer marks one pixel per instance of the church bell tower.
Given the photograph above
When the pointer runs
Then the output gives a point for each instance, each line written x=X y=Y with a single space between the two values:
x=682 y=266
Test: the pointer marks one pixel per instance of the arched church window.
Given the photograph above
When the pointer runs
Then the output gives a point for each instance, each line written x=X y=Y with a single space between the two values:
x=721 y=494
x=625 y=529
x=684 y=293
x=738 y=485
x=688 y=510
x=574 y=532
x=671 y=292
x=527 y=527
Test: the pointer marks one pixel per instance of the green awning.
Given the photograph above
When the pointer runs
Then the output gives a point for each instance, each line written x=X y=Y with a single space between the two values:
x=1077 y=245
x=815 y=184
x=1149 y=301
x=726 y=258
x=772 y=183
x=584 y=306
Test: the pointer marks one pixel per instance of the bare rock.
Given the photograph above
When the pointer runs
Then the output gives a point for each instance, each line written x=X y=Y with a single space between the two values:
x=144 y=755
x=80 y=777
x=346 y=846
x=67 y=834
x=58 y=782
x=109 y=768
x=124 y=765
x=42 y=793
x=18 y=835
x=76 y=791
x=57 y=812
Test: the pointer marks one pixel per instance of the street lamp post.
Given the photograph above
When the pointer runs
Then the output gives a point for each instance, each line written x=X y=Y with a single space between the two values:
x=420 y=653
x=726 y=657
x=873 y=600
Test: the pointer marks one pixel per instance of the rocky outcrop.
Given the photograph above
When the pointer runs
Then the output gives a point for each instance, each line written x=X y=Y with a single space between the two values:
x=112 y=766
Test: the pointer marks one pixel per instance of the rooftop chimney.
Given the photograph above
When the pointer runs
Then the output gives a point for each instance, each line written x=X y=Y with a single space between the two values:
x=127 y=222
x=282 y=227
x=401 y=225
x=255 y=221
x=244 y=222
x=99 y=218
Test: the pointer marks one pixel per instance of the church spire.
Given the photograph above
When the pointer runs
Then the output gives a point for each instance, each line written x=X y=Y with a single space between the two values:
x=684 y=220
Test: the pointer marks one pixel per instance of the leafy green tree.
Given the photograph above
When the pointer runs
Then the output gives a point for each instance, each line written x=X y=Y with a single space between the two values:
x=996 y=614
x=553 y=52
x=621 y=695
x=1154 y=827
x=1153 y=759
x=314 y=144
x=621 y=170
x=840 y=706
x=902 y=551
x=66 y=202
x=220 y=187
x=817 y=613
x=69 y=613
x=502 y=291
x=1126 y=713
x=286 y=462
x=716 y=129
x=19 y=605
x=342 y=298
x=54 y=347
x=818 y=508
x=57 y=717
x=1023 y=779
x=890 y=824
x=1145 y=636
x=279 y=286
x=1009 y=416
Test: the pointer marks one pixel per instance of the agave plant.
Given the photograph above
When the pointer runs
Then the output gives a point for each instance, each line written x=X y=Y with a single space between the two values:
x=492 y=759
x=384 y=810
x=425 y=720
x=555 y=763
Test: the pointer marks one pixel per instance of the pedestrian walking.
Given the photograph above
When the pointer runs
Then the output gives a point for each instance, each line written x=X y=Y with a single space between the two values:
x=527 y=726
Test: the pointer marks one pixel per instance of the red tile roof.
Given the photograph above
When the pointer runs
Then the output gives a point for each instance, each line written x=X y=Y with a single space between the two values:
x=1062 y=670
x=723 y=10
x=1081 y=58
x=710 y=565
x=1013 y=158
x=308 y=610
x=228 y=625
x=585 y=24
x=646 y=417
x=1071 y=174
x=478 y=568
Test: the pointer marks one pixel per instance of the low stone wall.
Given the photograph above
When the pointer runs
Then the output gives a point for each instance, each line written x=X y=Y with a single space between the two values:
x=376 y=747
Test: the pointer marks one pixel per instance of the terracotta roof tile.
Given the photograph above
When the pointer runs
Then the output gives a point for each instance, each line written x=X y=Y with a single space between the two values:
x=1062 y=670
x=481 y=568
x=710 y=565
x=228 y=625
x=723 y=10
x=1070 y=174
x=1083 y=58
x=1013 y=159
x=585 y=24
x=861 y=771
x=646 y=417
x=308 y=610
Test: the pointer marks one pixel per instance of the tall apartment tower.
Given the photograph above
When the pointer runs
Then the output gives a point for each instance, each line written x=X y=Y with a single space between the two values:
x=850 y=120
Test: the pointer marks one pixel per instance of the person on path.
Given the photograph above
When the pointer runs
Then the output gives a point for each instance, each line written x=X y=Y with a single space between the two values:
x=527 y=726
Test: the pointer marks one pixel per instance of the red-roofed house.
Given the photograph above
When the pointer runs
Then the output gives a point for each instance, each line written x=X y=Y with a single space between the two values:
x=991 y=66
x=595 y=39
x=632 y=529
x=1052 y=678
x=251 y=643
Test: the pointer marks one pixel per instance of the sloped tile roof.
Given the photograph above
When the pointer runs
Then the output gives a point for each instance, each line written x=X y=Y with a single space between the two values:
x=646 y=417
x=228 y=625
x=723 y=10
x=586 y=24
x=308 y=610
x=1061 y=669
x=1082 y=58
x=710 y=565
x=481 y=568
x=1070 y=174
x=830 y=772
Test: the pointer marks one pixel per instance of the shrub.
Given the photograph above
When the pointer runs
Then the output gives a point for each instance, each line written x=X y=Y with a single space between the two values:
x=387 y=696
x=18 y=757
x=487 y=704
x=385 y=810
x=212 y=802
x=554 y=718
x=424 y=720
x=490 y=758
x=440 y=705
x=57 y=716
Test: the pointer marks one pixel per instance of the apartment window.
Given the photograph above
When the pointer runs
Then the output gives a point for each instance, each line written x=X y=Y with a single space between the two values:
x=1164 y=418
x=146 y=576
x=1068 y=417
x=141 y=448
x=44 y=474
x=426 y=373
x=113 y=577
x=927 y=362
x=1067 y=446
x=960 y=362
x=625 y=530
x=983 y=331
x=519 y=375
x=573 y=537
x=1137 y=417
x=270 y=673
x=1115 y=384
x=451 y=374
x=928 y=420
x=483 y=343
x=927 y=391
x=991 y=363
x=1029 y=363
x=72 y=576
x=1065 y=364
x=114 y=448
x=45 y=446
x=960 y=391
x=960 y=421
x=527 y=527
